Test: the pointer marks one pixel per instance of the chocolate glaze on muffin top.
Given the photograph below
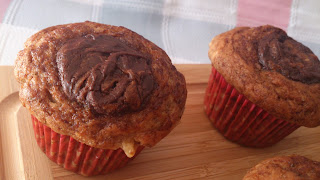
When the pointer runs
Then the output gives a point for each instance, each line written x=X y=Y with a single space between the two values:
x=275 y=51
x=105 y=73
x=272 y=70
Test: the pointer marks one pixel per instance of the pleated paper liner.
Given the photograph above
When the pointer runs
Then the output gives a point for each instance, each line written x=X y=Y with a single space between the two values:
x=240 y=120
x=76 y=156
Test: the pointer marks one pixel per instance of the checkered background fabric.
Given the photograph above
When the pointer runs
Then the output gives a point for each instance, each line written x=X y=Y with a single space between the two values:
x=183 y=28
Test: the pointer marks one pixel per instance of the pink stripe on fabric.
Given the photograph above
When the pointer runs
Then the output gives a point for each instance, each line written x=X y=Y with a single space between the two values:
x=3 y=7
x=257 y=12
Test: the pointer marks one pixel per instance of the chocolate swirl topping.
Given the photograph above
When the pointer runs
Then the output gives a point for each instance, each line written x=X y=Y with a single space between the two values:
x=104 y=73
x=278 y=52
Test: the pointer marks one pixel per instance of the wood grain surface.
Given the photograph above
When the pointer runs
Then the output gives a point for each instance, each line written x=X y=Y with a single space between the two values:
x=193 y=150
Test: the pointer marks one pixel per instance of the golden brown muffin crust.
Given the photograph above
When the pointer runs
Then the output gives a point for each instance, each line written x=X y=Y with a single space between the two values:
x=150 y=97
x=292 y=167
x=272 y=70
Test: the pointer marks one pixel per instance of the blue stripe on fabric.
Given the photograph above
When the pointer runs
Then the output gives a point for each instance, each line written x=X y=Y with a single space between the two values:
x=190 y=39
x=37 y=14
x=147 y=24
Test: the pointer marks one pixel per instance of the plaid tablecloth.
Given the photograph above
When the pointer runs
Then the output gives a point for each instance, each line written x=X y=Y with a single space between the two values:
x=183 y=28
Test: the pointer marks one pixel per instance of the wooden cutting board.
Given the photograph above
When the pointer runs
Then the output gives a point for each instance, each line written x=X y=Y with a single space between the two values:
x=193 y=150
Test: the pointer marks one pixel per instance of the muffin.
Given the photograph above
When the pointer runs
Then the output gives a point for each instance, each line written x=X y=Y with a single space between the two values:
x=98 y=94
x=263 y=85
x=292 y=167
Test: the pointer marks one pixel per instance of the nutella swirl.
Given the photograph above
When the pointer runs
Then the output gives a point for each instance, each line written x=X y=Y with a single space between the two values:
x=105 y=73
x=275 y=51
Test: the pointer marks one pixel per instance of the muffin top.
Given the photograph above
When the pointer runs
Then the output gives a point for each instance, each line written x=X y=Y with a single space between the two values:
x=272 y=70
x=292 y=167
x=103 y=85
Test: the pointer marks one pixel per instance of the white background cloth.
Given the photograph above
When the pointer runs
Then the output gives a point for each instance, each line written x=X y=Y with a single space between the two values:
x=183 y=28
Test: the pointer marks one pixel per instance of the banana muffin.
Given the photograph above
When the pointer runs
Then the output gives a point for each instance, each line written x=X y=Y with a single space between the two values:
x=263 y=85
x=98 y=94
x=292 y=167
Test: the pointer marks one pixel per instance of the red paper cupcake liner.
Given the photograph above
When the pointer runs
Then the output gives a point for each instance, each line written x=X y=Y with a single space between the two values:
x=240 y=120
x=78 y=157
